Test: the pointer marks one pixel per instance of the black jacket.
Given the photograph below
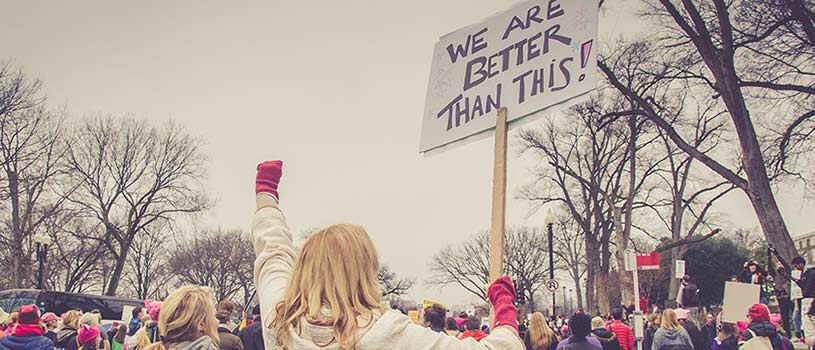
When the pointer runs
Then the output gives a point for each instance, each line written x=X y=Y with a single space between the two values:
x=252 y=336
x=763 y=329
x=690 y=295
x=648 y=339
x=709 y=332
x=607 y=339
x=696 y=336
x=731 y=343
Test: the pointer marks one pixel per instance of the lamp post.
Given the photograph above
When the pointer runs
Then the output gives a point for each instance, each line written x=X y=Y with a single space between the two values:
x=571 y=296
x=41 y=242
x=550 y=221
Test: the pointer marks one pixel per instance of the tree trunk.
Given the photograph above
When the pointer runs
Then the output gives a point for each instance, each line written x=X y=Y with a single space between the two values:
x=603 y=300
x=19 y=259
x=113 y=285
x=592 y=263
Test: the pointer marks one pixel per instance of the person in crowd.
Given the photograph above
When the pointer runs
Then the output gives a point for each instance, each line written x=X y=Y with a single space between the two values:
x=580 y=328
x=539 y=335
x=564 y=331
x=653 y=325
x=696 y=337
x=66 y=336
x=690 y=297
x=472 y=329
x=521 y=330
x=140 y=339
x=135 y=324
x=114 y=328
x=28 y=334
x=151 y=327
x=462 y=317
x=51 y=321
x=797 y=294
x=117 y=342
x=760 y=326
x=753 y=273
x=709 y=329
x=94 y=320
x=451 y=327
x=727 y=339
x=782 y=294
x=330 y=293
x=89 y=337
x=643 y=303
x=434 y=317
x=187 y=321
x=228 y=341
x=607 y=338
x=624 y=334
x=252 y=335
x=671 y=335
x=10 y=323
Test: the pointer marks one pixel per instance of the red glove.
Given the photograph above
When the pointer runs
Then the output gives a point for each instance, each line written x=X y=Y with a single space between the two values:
x=502 y=296
x=268 y=177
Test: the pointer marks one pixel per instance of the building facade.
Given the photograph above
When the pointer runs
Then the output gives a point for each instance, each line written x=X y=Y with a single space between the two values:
x=805 y=244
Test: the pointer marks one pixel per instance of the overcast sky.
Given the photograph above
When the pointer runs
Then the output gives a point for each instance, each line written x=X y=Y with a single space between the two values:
x=334 y=88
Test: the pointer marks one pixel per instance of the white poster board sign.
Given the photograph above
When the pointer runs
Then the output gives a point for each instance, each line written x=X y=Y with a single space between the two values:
x=535 y=55
x=680 y=269
x=738 y=297
x=127 y=313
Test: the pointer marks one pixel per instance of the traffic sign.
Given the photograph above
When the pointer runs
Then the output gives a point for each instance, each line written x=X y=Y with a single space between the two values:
x=552 y=285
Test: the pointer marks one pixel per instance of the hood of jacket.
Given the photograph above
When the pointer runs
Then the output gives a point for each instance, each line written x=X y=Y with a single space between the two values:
x=671 y=334
x=315 y=336
x=65 y=334
x=763 y=329
x=604 y=335
x=203 y=343
x=37 y=342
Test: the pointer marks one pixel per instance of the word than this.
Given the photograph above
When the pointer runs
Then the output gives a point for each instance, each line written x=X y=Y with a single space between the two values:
x=465 y=109
x=536 y=81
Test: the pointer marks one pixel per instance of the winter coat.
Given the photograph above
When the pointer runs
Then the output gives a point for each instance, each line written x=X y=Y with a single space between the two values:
x=696 y=336
x=228 y=341
x=36 y=342
x=690 y=295
x=134 y=326
x=624 y=335
x=392 y=330
x=203 y=343
x=51 y=335
x=607 y=339
x=672 y=339
x=731 y=343
x=709 y=332
x=763 y=329
x=648 y=339
x=64 y=337
x=588 y=343
x=252 y=336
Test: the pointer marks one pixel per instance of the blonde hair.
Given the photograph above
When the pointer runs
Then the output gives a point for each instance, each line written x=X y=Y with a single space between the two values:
x=540 y=335
x=142 y=340
x=338 y=270
x=669 y=320
x=181 y=315
x=90 y=319
x=71 y=319
x=598 y=322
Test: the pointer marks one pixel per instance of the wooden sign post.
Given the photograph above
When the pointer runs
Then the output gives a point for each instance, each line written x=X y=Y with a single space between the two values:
x=499 y=197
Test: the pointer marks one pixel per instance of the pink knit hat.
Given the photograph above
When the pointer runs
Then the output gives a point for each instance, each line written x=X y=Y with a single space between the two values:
x=87 y=335
x=153 y=308
x=681 y=314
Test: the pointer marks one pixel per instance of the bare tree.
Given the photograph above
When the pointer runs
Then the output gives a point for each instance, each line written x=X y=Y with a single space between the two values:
x=31 y=151
x=148 y=273
x=466 y=265
x=217 y=259
x=74 y=265
x=729 y=50
x=392 y=284
x=569 y=248
x=131 y=175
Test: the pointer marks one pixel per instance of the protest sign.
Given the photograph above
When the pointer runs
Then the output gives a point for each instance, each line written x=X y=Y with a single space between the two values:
x=738 y=297
x=532 y=56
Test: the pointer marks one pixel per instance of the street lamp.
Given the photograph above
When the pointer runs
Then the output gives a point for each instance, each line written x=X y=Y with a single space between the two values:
x=571 y=298
x=41 y=241
x=550 y=221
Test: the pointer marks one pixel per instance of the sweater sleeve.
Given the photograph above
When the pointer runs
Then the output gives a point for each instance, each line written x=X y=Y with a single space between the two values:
x=275 y=256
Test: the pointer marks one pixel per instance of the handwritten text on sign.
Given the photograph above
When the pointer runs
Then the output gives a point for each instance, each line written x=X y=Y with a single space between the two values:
x=532 y=56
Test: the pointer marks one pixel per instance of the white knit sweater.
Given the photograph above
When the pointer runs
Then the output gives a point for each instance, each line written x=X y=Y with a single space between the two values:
x=275 y=258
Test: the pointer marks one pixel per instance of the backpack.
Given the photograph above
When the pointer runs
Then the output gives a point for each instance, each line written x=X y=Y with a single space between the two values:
x=756 y=343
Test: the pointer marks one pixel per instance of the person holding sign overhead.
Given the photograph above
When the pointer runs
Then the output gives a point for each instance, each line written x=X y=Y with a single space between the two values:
x=328 y=297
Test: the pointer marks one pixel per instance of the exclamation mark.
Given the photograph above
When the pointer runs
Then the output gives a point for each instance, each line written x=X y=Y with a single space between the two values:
x=585 y=51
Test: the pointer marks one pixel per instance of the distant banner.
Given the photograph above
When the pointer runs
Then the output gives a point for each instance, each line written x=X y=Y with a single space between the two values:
x=535 y=55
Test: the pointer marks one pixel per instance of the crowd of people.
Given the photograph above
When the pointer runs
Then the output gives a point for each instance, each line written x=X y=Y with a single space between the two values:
x=328 y=297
